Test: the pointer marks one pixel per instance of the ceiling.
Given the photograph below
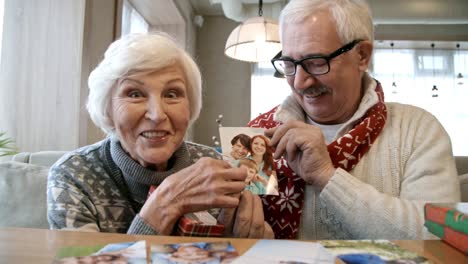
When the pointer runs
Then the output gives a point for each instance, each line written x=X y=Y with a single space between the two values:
x=384 y=11
x=416 y=22
x=205 y=8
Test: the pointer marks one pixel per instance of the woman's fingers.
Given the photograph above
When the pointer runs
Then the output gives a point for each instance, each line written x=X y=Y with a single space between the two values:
x=227 y=217
x=268 y=233
x=235 y=174
x=244 y=215
x=249 y=220
x=257 y=227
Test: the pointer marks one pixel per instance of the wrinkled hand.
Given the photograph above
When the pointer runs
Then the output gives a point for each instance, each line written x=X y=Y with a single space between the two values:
x=303 y=146
x=208 y=183
x=247 y=220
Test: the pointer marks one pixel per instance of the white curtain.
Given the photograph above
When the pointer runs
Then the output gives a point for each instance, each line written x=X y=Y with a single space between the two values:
x=415 y=72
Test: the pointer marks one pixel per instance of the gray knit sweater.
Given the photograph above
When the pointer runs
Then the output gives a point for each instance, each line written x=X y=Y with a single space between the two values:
x=100 y=188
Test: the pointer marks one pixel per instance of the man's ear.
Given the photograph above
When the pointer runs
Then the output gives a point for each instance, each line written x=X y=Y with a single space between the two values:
x=364 y=50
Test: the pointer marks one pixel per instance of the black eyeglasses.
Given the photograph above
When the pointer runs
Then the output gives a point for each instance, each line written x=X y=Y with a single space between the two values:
x=314 y=64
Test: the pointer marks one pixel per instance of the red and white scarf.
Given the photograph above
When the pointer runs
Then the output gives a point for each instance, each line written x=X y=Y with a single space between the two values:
x=283 y=212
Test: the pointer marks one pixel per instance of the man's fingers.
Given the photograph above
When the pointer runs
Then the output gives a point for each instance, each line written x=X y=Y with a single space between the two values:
x=257 y=226
x=244 y=215
x=281 y=146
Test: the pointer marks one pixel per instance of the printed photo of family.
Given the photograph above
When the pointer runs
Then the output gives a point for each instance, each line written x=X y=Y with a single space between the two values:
x=194 y=253
x=117 y=253
x=249 y=148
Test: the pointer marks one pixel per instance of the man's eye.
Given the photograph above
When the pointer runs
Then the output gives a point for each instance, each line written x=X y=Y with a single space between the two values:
x=315 y=62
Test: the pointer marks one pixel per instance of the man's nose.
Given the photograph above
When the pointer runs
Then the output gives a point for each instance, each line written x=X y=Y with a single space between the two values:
x=156 y=110
x=302 y=79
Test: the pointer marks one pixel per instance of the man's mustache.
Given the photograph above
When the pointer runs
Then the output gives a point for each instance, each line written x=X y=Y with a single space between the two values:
x=312 y=90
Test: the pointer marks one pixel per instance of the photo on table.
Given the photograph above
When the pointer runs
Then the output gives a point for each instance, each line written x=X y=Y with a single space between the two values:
x=248 y=148
x=200 y=253
x=125 y=252
x=372 y=251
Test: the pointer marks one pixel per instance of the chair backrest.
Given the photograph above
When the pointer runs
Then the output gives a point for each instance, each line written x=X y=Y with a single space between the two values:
x=462 y=164
x=42 y=158
x=23 y=184
x=464 y=187
x=23 y=195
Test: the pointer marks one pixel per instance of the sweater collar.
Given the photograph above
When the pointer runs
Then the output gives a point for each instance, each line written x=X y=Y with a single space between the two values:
x=290 y=109
x=139 y=178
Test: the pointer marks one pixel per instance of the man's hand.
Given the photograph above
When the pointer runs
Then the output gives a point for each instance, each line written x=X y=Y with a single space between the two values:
x=247 y=220
x=303 y=146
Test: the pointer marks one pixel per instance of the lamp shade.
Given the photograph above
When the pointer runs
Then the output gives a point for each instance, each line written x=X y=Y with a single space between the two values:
x=255 y=40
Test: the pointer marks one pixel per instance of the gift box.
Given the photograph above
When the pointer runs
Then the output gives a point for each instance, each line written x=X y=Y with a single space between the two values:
x=196 y=224
x=453 y=215
x=448 y=222
x=456 y=239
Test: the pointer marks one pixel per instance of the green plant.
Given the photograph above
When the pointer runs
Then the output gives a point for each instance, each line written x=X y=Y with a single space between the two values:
x=7 y=146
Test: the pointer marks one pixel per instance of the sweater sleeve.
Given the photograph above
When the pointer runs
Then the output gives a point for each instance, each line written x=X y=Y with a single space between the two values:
x=67 y=205
x=427 y=174
x=140 y=227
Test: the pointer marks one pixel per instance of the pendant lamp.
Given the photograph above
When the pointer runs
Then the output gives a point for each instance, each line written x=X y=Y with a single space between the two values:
x=255 y=40
x=459 y=75
x=435 y=91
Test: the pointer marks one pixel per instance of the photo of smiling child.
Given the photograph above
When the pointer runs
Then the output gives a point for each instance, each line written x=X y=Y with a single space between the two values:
x=249 y=148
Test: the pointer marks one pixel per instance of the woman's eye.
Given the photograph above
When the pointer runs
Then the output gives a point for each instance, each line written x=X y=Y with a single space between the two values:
x=135 y=94
x=172 y=94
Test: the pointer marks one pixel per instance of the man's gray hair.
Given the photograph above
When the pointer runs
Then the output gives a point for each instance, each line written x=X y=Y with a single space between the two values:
x=353 y=18
x=134 y=53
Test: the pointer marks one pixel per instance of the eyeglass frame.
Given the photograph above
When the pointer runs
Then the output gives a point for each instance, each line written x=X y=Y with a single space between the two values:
x=334 y=54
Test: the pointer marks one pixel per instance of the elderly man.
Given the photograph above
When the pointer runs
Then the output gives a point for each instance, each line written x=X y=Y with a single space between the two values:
x=350 y=166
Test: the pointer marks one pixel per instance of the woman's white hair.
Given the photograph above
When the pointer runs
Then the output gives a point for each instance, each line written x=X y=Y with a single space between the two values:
x=353 y=18
x=139 y=53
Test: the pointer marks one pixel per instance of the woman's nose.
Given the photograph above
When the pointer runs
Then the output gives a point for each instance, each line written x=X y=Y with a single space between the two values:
x=155 y=110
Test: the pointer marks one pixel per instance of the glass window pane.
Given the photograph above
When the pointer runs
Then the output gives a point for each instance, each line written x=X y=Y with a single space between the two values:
x=414 y=73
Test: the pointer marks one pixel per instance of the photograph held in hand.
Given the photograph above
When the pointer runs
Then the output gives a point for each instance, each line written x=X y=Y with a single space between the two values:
x=248 y=148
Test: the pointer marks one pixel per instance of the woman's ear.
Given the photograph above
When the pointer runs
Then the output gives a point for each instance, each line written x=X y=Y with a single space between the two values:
x=364 y=49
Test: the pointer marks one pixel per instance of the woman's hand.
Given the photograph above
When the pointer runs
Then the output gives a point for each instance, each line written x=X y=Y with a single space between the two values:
x=304 y=147
x=247 y=220
x=208 y=183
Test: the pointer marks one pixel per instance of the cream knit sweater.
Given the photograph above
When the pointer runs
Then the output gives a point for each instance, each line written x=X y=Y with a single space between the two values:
x=409 y=164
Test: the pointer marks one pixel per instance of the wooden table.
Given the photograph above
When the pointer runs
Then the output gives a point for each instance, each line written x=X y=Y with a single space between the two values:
x=21 y=245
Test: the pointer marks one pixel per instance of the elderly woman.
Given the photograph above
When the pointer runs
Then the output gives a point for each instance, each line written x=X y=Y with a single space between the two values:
x=145 y=94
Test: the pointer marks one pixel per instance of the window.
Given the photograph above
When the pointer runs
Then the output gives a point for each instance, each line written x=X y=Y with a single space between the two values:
x=2 y=4
x=132 y=21
x=263 y=83
x=414 y=72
